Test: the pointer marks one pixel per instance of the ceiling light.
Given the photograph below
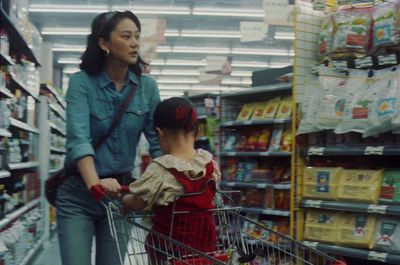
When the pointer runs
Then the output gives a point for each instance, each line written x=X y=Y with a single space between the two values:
x=156 y=10
x=69 y=61
x=65 y=31
x=279 y=65
x=284 y=36
x=71 y=70
x=274 y=52
x=207 y=50
x=249 y=64
x=241 y=81
x=196 y=88
x=177 y=81
x=179 y=62
x=68 y=8
x=171 y=94
x=211 y=34
x=242 y=73
x=171 y=33
x=164 y=49
x=228 y=12
x=182 y=72
x=69 y=48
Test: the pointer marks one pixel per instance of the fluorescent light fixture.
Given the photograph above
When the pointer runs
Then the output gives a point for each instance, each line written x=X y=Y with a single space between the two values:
x=171 y=33
x=241 y=73
x=241 y=81
x=69 y=48
x=65 y=31
x=163 y=49
x=273 y=52
x=171 y=94
x=206 y=50
x=284 y=35
x=45 y=8
x=211 y=34
x=176 y=72
x=279 y=65
x=69 y=61
x=227 y=12
x=249 y=64
x=71 y=70
x=156 y=10
x=177 y=81
x=179 y=62
x=196 y=88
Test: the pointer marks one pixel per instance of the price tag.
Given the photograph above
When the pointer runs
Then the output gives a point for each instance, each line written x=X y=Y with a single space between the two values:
x=387 y=59
x=231 y=153
x=377 y=208
x=377 y=256
x=364 y=62
x=261 y=185
x=316 y=151
x=340 y=64
x=247 y=122
x=310 y=244
x=264 y=153
x=313 y=203
x=228 y=123
x=374 y=150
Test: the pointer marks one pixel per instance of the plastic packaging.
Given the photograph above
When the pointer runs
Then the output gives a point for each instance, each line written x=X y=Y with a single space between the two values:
x=390 y=192
x=325 y=38
x=387 y=236
x=309 y=108
x=285 y=108
x=385 y=31
x=321 y=183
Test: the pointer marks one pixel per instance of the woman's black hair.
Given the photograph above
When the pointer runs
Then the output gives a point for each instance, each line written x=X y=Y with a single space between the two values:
x=176 y=114
x=93 y=59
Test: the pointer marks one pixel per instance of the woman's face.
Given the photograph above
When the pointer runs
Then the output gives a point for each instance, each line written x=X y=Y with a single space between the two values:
x=124 y=42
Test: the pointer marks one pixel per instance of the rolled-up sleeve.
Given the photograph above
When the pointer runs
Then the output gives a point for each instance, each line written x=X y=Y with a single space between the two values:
x=78 y=121
x=149 y=130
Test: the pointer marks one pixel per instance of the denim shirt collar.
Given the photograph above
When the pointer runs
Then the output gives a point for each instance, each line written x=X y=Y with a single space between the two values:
x=104 y=80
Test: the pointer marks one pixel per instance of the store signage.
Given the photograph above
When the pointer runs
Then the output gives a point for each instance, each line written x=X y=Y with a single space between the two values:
x=278 y=12
x=253 y=31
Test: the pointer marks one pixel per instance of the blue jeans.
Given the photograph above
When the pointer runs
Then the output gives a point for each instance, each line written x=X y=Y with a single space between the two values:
x=79 y=219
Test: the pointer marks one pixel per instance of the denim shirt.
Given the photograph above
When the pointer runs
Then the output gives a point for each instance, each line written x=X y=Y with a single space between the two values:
x=92 y=103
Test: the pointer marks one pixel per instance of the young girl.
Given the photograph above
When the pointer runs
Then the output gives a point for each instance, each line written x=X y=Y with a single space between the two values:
x=181 y=170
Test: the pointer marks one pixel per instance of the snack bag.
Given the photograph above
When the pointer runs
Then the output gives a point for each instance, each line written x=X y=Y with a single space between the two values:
x=332 y=101
x=360 y=97
x=351 y=38
x=230 y=170
x=285 y=109
x=325 y=38
x=248 y=175
x=246 y=112
x=390 y=192
x=251 y=141
x=240 y=172
x=259 y=111
x=383 y=111
x=309 y=106
x=241 y=142
x=385 y=32
x=320 y=182
x=360 y=185
x=230 y=143
x=271 y=108
x=263 y=140
x=387 y=235
x=321 y=226
x=276 y=139
x=286 y=145
x=356 y=230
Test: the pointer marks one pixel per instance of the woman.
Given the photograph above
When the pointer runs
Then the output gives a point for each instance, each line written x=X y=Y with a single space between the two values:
x=110 y=68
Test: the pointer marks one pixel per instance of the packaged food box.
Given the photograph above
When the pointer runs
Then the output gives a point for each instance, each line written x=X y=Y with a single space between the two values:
x=271 y=108
x=285 y=108
x=246 y=112
x=387 y=235
x=390 y=191
x=360 y=185
x=321 y=226
x=321 y=182
x=356 y=230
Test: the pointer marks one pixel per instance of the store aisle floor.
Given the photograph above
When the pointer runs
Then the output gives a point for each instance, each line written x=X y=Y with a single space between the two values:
x=50 y=253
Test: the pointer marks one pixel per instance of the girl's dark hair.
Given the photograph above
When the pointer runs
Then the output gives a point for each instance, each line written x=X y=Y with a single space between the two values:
x=176 y=114
x=93 y=59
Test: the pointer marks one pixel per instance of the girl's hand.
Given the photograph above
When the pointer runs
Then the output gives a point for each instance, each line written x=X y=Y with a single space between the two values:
x=110 y=186
x=126 y=201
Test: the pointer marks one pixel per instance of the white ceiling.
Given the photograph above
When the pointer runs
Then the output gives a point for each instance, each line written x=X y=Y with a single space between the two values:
x=260 y=55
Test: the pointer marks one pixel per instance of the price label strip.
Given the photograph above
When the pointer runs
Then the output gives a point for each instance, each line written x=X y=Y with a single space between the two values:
x=381 y=209
x=313 y=203
x=374 y=150
x=387 y=59
x=316 y=151
x=364 y=62
x=377 y=256
x=310 y=244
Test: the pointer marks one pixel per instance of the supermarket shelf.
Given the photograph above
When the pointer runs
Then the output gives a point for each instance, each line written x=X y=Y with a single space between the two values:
x=202 y=96
x=32 y=252
x=4 y=174
x=249 y=94
x=5 y=59
x=202 y=139
x=23 y=126
x=19 y=44
x=5 y=133
x=255 y=210
x=6 y=92
x=365 y=254
x=12 y=216
x=266 y=153
x=353 y=207
x=55 y=93
x=255 y=185
x=23 y=86
x=59 y=111
x=58 y=150
x=254 y=122
x=352 y=151
x=23 y=165
x=55 y=127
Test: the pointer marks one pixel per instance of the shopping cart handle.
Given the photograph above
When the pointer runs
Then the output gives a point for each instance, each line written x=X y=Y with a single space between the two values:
x=98 y=192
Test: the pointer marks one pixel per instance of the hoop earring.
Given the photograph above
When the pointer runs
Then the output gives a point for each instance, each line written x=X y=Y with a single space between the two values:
x=107 y=51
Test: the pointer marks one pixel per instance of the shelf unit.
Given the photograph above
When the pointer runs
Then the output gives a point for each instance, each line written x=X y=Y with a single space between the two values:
x=231 y=104
x=351 y=153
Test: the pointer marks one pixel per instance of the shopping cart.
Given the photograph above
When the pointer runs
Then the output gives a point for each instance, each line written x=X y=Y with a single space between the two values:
x=139 y=244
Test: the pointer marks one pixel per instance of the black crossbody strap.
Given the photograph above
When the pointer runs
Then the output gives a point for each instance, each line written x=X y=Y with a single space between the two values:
x=117 y=117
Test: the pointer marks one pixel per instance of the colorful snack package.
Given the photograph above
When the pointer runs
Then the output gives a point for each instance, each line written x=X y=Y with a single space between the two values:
x=385 y=32
x=240 y=172
x=286 y=145
x=390 y=192
x=360 y=185
x=351 y=38
x=356 y=230
x=276 y=139
x=246 y=112
x=259 y=111
x=387 y=235
x=230 y=170
x=263 y=140
x=241 y=142
x=309 y=106
x=321 y=182
x=321 y=226
x=271 y=108
x=230 y=143
x=325 y=38
x=248 y=175
x=332 y=101
x=251 y=141
x=285 y=109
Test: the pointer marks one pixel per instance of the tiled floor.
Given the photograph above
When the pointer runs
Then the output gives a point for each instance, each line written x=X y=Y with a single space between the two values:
x=50 y=254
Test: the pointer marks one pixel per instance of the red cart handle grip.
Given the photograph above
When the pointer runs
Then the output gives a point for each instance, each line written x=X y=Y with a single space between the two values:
x=98 y=192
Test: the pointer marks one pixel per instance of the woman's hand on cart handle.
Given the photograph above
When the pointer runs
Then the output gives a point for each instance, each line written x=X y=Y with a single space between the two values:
x=98 y=191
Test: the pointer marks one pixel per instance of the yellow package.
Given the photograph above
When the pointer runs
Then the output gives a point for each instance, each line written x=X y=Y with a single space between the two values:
x=285 y=109
x=360 y=185
x=259 y=111
x=320 y=182
x=321 y=226
x=246 y=112
x=271 y=108
x=356 y=230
